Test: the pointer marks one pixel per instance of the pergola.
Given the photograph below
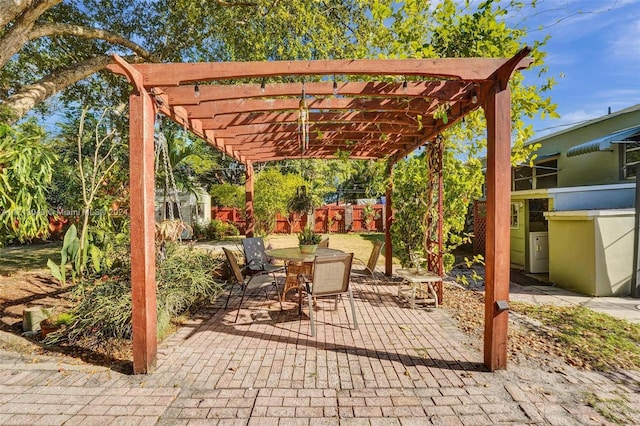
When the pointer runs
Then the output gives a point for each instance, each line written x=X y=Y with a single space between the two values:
x=296 y=109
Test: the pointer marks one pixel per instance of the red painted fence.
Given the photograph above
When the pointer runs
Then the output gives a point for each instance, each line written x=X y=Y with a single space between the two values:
x=326 y=219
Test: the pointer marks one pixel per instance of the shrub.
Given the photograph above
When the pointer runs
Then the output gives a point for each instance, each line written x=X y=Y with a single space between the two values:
x=186 y=279
x=215 y=230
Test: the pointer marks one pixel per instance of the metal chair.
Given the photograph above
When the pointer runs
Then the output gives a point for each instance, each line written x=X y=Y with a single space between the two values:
x=370 y=266
x=330 y=278
x=256 y=260
x=244 y=280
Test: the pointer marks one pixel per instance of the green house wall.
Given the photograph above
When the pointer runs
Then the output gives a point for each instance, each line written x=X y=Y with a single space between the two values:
x=595 y=168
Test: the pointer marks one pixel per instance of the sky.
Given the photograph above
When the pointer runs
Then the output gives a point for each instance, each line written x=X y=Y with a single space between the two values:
x=593 y=54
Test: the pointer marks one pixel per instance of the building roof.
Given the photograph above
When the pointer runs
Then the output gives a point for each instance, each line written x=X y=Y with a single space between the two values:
x=587 y=123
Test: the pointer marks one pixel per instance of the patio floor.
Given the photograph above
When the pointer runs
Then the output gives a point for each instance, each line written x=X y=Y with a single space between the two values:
x=401 y=367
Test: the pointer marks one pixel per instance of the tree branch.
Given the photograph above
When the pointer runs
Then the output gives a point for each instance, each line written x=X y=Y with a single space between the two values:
x=233 y=3
x=53 y=29
x=19 y=35
x=33 y=94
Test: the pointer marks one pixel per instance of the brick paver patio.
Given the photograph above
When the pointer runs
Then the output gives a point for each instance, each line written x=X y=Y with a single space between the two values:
x=401 y=367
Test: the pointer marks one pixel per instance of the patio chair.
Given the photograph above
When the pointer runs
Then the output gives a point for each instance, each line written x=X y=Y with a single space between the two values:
x=237 y=277
x=324 y=242
x=256 y=260
x=370 y=266
x=330 y=278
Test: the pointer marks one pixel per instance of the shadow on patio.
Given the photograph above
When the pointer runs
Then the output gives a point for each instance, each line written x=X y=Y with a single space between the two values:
x=393 y=347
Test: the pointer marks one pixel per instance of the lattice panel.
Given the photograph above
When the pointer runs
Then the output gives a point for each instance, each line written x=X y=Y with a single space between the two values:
x=434 y=219
x=479 y=226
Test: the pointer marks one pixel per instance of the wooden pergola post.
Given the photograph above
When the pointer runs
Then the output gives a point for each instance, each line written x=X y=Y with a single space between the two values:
x=388 y=209
x=143 y=259
x=498 y=180
x=250 y=219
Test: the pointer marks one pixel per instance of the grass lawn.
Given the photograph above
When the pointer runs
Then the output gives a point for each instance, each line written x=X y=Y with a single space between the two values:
x=30 y=257
x=586 y=338
x=358 y=244
x=23 y=258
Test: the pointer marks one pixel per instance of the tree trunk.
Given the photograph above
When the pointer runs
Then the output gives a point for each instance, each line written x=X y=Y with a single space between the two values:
x=18 y=34
x=11 y=9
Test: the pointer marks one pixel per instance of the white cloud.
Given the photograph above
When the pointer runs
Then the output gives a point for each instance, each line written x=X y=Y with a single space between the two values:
x=575 y=19
x=626 y=40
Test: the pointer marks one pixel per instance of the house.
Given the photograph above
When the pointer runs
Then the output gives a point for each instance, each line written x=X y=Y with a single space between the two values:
x=190 y=207
x=572 y=209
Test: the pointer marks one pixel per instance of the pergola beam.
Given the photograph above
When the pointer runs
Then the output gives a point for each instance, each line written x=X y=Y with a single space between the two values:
x=451 y=90
x=223 y=121
x=324 y=127
x=142 y=226
x=410 y=106
x=175 y=74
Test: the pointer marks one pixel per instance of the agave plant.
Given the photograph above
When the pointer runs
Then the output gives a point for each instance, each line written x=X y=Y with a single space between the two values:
x=308 y=237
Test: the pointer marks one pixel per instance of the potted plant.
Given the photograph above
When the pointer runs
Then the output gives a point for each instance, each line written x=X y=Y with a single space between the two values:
x=308 y=240
x=54 y=323
x=301 y=202
x=299 y=205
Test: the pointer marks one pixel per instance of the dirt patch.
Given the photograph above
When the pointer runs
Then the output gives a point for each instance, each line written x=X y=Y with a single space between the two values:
x=22 y=290
x=530 y=342
x=467 y=307
x=27 y=289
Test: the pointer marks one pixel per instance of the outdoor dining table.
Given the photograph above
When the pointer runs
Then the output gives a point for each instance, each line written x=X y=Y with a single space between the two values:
x=298 y=263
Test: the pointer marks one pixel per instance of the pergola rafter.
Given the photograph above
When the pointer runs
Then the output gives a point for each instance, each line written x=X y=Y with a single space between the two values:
x=386 y=110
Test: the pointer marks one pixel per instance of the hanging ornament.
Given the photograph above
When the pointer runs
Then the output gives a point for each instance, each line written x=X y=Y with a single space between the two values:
x=303 y=122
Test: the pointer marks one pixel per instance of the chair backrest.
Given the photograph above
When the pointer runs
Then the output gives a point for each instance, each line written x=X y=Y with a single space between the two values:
x=233 y=264
x=375 y=254
x=254 y=251
x=324 y=242
x=331 y=274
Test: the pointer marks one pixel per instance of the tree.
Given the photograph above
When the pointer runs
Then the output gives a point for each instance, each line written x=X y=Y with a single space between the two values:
x=98 y=145
x=228 y=195
x=273 y=191
x=456 y=29
x=49 y=46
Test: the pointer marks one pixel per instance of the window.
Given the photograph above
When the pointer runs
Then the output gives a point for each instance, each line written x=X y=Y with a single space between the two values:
x=544 y=174
x=631 y=157
x=515 y=215
x=522 y=178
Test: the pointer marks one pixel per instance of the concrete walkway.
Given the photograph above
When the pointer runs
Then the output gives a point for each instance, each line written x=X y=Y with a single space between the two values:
x=401 y=367
x=625 y=308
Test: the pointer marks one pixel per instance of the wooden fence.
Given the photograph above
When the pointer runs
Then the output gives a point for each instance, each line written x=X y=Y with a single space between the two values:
x=326 y=219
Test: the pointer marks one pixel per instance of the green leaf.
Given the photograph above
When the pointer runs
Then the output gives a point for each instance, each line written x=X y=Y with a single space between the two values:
x=69 y=237
x=96 y=257
x=55 y=271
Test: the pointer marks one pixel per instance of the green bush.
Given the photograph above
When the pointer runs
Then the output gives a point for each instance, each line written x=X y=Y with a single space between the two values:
x=186 y=279
x=215 y=230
